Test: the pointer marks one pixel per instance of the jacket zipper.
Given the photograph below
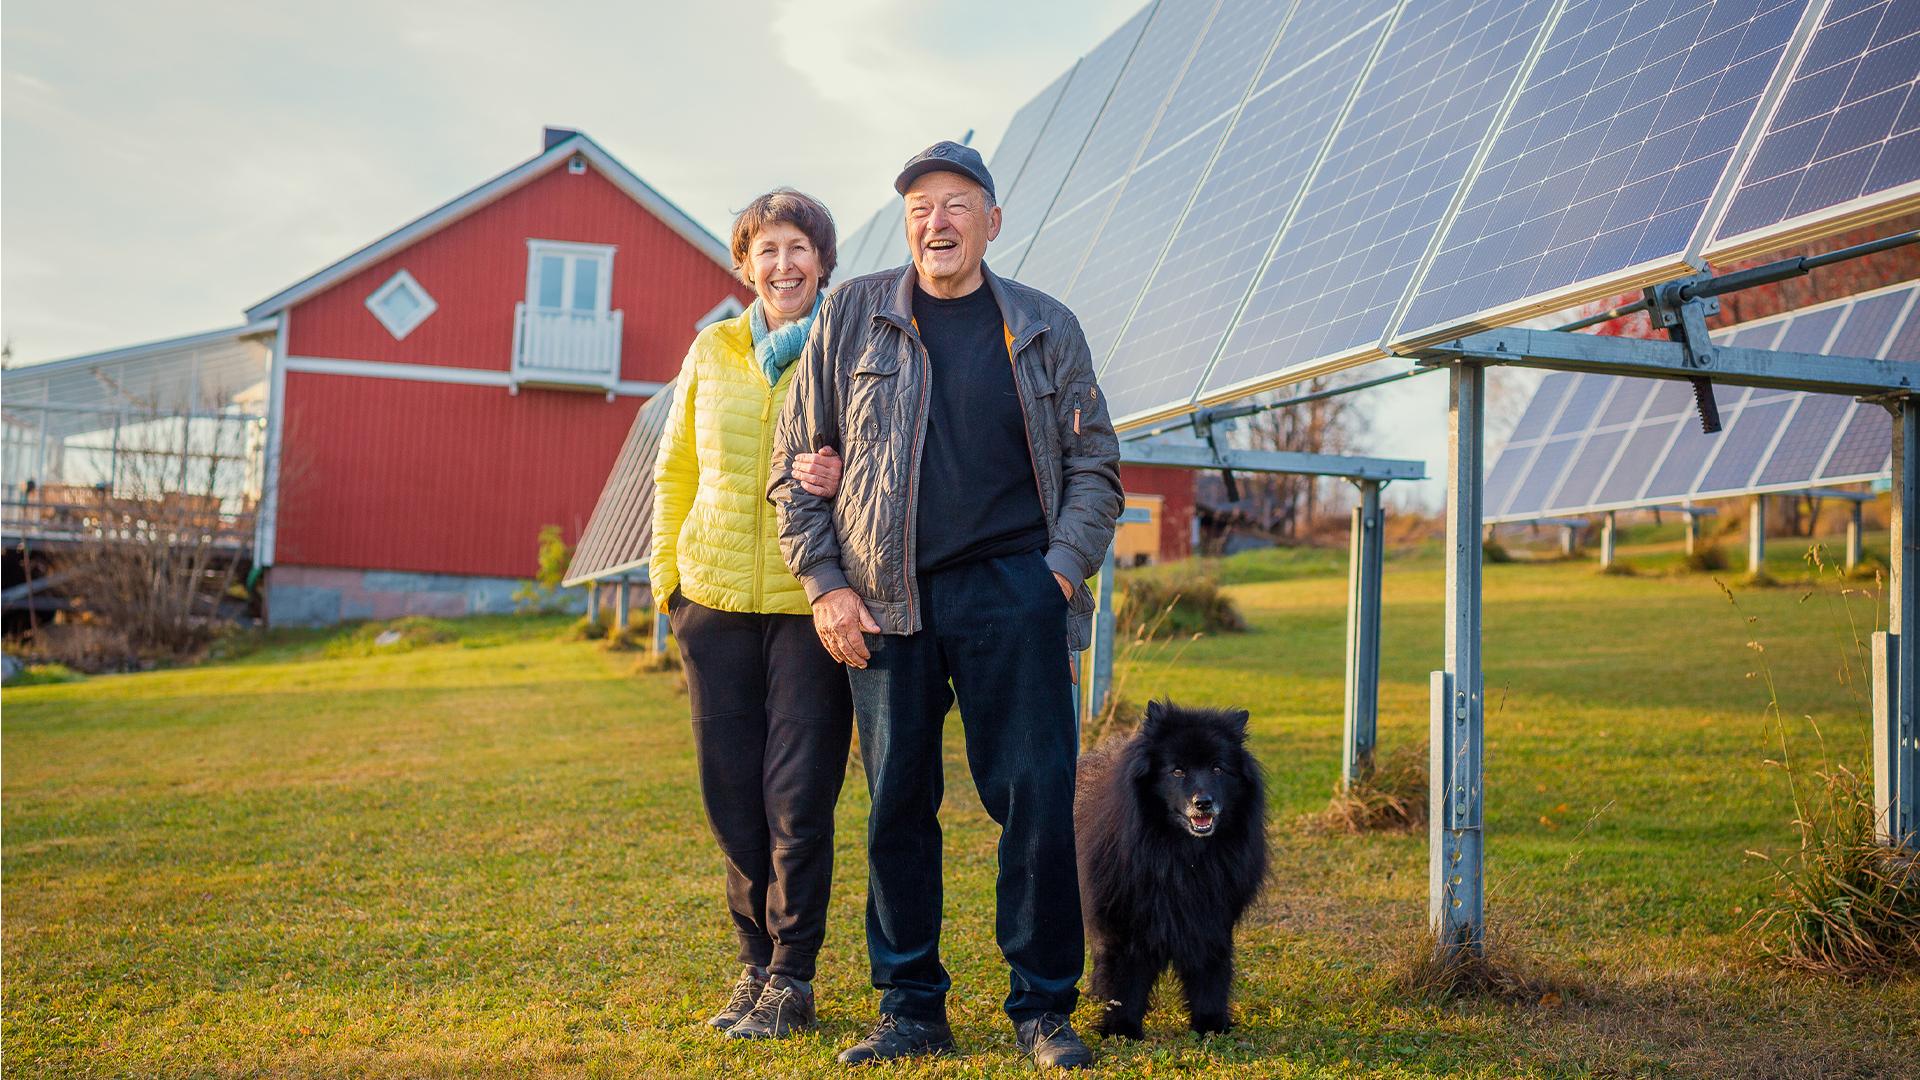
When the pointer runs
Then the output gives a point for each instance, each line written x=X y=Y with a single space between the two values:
x=760 y=507
x=913 y=476
x=1033 y=459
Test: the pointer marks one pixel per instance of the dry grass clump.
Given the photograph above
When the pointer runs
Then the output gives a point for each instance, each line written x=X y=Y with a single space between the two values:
x=1505 y=969
x=1843 y=902
x=589 y=629
x=1392 y=798
x=1706 y=559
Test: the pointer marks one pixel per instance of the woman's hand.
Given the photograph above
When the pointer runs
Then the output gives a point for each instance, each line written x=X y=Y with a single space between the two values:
x=818 y=473
x=842 y=621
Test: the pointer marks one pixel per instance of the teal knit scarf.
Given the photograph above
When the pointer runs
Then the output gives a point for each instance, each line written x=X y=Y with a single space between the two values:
x=777 y=349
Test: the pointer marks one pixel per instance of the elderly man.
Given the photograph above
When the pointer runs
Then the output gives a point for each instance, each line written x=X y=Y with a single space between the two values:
x=981 y=486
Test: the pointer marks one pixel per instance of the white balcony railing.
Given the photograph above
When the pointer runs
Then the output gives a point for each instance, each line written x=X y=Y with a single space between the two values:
x=566 y=348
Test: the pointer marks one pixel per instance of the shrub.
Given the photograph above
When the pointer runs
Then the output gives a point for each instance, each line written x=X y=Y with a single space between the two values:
x=590 y=629
x=542 y=594
x=45 y=675
x=404 y=634
x=1842 y=902
x=1174 y=605
x=1707 y=558
x=1493 y=551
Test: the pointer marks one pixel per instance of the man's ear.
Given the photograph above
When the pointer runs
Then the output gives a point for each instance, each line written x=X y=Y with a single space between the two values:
x=993 y=224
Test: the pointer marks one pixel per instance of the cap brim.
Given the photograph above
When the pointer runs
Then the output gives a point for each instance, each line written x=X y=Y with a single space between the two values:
x=921 y=168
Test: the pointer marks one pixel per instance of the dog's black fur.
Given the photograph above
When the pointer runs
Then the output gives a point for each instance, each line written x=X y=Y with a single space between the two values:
x=1170 y=823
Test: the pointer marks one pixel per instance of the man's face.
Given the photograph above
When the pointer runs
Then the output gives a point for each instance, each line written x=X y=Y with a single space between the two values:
x=948 y=228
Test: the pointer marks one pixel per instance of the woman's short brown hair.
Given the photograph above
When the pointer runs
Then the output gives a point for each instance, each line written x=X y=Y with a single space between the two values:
x=803 y=212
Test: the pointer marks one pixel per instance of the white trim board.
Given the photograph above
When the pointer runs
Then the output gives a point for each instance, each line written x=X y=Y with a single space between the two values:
x=433 y=373
x=449 y=212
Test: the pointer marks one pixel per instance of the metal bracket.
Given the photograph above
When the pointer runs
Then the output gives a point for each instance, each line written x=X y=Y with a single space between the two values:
x=1684 y=319
x=1208 y=427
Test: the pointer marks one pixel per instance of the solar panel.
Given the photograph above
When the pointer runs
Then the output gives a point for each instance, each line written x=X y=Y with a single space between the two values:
x=1843 y=147
x=1025 y=205
x=853 y=249
x=1642 y=446
x=1023 y=134
x=1223 y=237
x=1114 y=144
x=1340 y=266
x=1601 y=174
x=1229 y=56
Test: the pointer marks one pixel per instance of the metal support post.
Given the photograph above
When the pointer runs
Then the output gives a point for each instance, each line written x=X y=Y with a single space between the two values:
x=1455 y=858
x=1854 y=547
x=1097 y=669
x=1693 y=532
x=1607 y=526
x=593 y=601
x=660 y=631
x=1365 y=556
x=1568 y=533
x=622 y=605
x=1896 y=742
x=1756 y=534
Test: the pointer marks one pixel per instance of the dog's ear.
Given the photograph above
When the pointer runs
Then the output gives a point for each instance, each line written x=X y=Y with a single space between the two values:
x=1156 y=716
x=1238 y=718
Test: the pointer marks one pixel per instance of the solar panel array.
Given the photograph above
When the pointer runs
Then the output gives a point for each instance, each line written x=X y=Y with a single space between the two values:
x=1590 y=442
x=619 y=535
x=1237 y=194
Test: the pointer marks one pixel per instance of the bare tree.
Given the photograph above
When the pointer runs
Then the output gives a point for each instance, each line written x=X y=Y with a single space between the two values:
x=157 y=547
x=1290 y=505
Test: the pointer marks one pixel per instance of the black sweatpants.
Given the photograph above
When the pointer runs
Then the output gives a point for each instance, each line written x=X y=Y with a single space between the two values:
x=771 y=724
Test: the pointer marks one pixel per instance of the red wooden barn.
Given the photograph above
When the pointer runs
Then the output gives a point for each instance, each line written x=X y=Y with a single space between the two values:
x=444 y=392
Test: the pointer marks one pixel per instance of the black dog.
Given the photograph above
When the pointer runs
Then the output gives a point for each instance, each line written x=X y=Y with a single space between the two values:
x=1170 y=823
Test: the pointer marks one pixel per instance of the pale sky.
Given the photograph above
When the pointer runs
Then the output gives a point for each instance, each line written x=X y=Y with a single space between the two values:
x=163 y=166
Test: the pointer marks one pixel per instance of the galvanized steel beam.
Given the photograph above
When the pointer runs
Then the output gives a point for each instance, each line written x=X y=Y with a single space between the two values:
x=1896 y=743
x=1275 y=461
x=1561 y=351
x=1366 y=554
x=1756 y=534
x=1455 y=857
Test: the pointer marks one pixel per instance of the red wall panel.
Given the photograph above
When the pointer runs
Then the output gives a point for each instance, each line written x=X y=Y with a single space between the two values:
x=1175 y=486
x=392 y=474
x=476 y=270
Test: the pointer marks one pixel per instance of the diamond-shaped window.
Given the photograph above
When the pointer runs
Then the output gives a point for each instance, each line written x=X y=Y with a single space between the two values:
x=401 y=304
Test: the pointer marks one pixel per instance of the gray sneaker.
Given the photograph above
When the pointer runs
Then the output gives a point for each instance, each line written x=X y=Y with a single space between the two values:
x=1051 y=1042
x=746 y=991
x=785 y=1006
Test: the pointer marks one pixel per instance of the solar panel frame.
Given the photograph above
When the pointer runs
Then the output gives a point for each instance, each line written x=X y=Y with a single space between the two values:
x=1740 y=232
x=1437 y=308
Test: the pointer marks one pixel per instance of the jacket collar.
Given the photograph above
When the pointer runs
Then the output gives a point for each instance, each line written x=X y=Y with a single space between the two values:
x=1023 y=322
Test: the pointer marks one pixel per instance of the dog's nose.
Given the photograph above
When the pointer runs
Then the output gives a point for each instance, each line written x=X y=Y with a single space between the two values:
x=1203 y=803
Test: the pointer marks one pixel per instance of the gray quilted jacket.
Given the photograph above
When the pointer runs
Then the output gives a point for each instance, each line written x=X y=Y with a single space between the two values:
x=862 y=387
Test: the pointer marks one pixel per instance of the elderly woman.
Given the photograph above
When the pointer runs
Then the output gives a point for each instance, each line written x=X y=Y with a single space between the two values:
x=771 y=712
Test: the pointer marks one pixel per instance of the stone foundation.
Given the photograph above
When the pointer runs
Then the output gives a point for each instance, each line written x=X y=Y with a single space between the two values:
x=322 y=596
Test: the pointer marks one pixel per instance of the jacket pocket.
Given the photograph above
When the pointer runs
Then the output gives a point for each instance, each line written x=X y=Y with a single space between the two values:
x=872 y=387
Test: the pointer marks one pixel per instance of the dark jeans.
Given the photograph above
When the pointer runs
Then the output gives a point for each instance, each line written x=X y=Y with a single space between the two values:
x=771 y=723
x=994 y=635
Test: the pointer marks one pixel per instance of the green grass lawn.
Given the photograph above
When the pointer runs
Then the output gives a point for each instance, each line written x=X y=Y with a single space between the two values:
x=487 y=856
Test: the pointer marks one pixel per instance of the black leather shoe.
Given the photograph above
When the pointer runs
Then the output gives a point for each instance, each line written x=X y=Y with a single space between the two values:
x=746 y=991
x=1050 y=1041
x=785 y=1006
x=898 y=1037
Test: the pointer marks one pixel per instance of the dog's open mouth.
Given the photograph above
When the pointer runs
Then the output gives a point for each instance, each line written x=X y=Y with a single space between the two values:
x=1199 y=824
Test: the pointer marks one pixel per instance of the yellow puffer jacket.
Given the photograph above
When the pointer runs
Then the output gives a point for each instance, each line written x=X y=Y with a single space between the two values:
x=714 y=533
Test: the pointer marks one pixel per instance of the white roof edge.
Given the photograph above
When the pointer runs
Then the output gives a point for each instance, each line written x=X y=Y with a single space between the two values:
x=449 y=212
x=185 y=341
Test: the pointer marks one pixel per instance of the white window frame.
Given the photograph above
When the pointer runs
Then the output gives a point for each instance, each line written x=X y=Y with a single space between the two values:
x=570 y=250
x=400 y=328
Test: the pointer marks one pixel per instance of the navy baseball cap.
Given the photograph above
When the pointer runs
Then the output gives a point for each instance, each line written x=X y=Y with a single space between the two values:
x=945 y=156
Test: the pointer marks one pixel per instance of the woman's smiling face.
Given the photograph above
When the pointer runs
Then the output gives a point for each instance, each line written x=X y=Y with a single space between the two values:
x=786 y=272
